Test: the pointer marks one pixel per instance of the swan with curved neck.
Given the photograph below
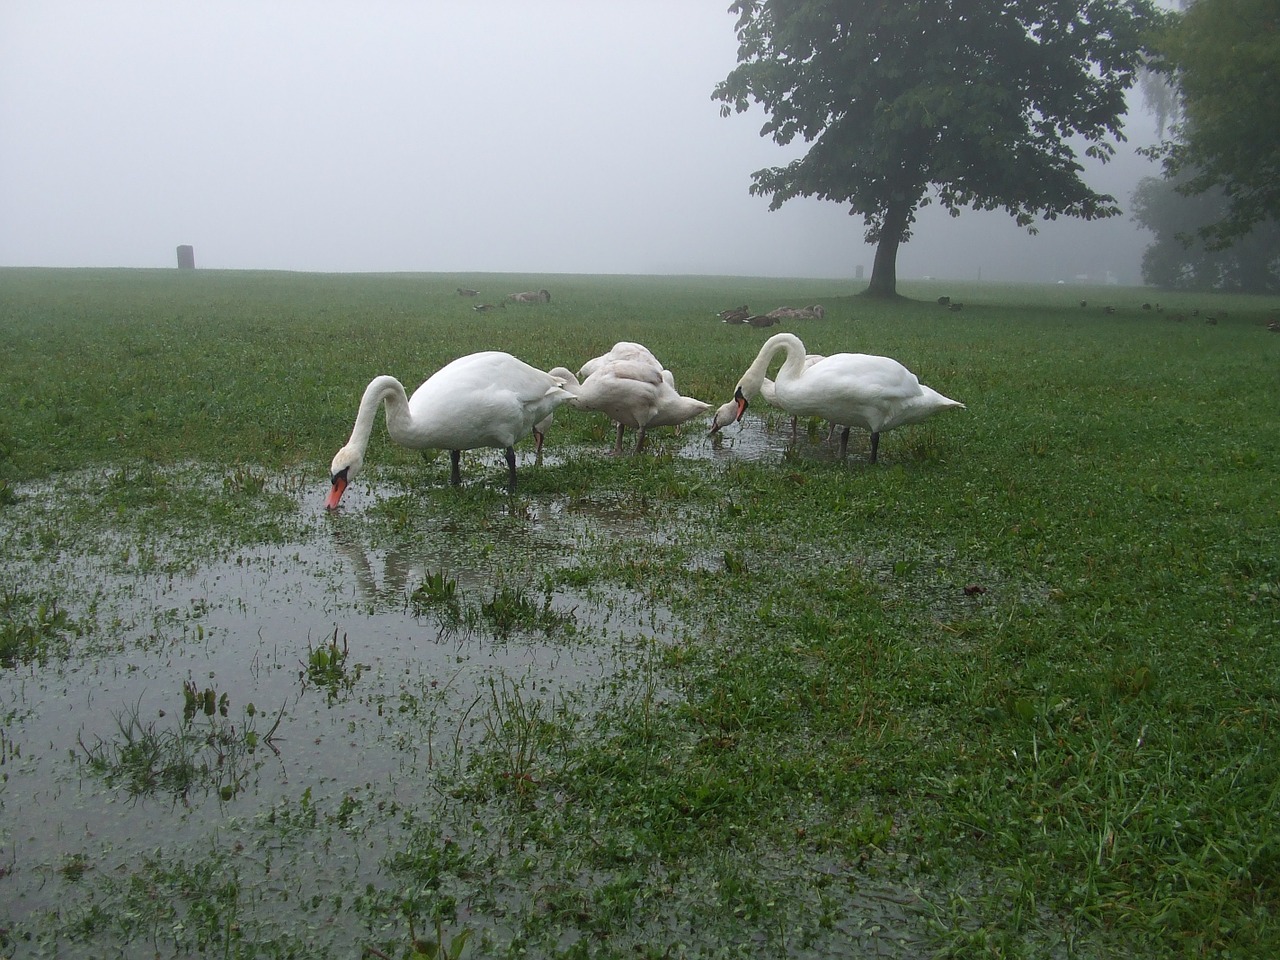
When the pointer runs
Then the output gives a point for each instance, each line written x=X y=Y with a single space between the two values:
x=488 y=399
x=876 y=393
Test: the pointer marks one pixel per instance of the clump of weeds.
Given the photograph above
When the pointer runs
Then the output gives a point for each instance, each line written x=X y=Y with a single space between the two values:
x=326 y=666
x=519 y=735
x=214 y=754
x=513 y=610
x=244 y=481
x=29 y=626
x=438 y=592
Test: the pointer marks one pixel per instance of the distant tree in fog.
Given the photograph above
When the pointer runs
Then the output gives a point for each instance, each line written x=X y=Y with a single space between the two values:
x=969 y=103
x=1179 y=258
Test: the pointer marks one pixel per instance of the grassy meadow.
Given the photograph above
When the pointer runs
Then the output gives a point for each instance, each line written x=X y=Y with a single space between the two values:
x=1011 y=692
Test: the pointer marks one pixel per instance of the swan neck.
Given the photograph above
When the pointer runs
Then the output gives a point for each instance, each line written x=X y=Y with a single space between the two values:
x=380 y=389
x=753 y=379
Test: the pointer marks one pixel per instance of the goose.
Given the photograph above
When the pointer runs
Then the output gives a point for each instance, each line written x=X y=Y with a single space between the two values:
x=488 y=399
x=530 y=296
x=633 y=393
x=876 y=393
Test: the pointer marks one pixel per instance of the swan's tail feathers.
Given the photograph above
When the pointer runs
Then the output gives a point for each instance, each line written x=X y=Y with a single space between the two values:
x=565 y=378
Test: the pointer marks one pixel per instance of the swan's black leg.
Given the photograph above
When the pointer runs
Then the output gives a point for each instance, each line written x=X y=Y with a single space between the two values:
x=617 y=444
x=511 y=469
x=875 y=445
x=455 y=471
x=640 y=435
x=844 y=442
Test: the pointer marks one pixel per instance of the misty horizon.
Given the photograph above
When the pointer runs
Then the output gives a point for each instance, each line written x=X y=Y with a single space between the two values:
x=487 y=138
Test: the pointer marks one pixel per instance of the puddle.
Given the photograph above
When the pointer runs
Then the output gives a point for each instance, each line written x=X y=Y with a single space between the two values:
x=322 y=665
x=757 y=438
x=278 y=724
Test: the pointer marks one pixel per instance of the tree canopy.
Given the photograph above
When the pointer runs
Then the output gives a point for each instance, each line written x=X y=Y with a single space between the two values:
x=971 y=103
x=1224 y=59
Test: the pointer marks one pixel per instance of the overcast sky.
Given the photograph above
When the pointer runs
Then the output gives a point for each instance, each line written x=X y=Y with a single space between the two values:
x=556 y=136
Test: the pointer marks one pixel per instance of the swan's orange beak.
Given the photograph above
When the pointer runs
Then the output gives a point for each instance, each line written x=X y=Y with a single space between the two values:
x=336 y=491
x=730 y=412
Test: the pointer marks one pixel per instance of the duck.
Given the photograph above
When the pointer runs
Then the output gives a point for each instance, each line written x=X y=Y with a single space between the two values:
x=633 y=392
x=858 y=389
x=488 y=399
x=735 y=314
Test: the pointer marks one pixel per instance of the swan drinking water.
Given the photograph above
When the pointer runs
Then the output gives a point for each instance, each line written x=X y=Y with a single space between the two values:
x=877 y=393
x=486 y=399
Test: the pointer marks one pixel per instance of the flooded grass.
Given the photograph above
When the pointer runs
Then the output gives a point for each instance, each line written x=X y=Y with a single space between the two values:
x=1009 y=693
x=199 y=699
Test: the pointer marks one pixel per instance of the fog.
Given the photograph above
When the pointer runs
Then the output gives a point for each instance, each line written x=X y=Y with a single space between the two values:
x=441 y=135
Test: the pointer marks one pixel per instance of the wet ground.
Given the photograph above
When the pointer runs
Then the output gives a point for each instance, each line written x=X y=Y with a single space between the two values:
x=179 y=712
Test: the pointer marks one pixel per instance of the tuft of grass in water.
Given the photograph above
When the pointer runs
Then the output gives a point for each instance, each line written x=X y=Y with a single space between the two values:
x=513 y=609
x=438 y=593
x=212 y=755
x=30 y=626
x=326 y=666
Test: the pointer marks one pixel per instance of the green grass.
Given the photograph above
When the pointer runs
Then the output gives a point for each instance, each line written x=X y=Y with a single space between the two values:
x=1022 y=676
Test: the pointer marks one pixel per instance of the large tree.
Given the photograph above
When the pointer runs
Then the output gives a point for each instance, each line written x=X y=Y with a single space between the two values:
x=1223 y=57
x=972 y=103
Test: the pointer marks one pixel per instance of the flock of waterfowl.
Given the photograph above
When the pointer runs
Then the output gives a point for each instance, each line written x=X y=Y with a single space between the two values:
x=492 y=399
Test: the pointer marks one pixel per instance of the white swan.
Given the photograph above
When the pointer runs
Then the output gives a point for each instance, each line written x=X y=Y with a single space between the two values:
x=486 y=399
x=877 y=393
x=633 y=393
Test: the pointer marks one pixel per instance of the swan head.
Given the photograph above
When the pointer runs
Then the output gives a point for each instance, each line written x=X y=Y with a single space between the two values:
x=346 y=464
x=730 y=412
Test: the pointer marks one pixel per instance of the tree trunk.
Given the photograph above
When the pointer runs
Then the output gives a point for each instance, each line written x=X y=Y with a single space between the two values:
x=884 y=272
